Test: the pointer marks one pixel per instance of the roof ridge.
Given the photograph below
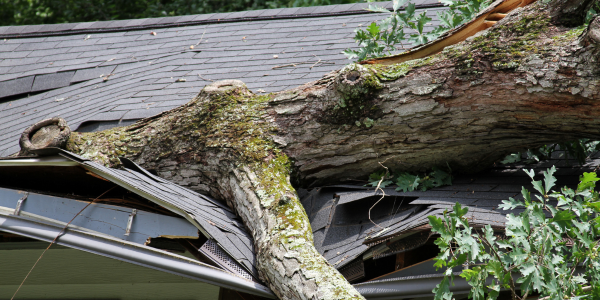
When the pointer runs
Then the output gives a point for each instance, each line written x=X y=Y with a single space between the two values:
x=44 y=30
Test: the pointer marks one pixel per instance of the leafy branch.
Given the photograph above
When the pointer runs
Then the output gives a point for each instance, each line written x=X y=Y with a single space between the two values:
x=405 y=26
x=551 y=247
x=408 y=182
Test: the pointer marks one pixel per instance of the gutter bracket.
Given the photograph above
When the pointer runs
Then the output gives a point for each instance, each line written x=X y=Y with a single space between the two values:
x=19 y=204
x=130 y=221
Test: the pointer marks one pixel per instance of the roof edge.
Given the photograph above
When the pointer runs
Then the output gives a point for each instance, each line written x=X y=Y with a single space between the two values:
x=45 y=30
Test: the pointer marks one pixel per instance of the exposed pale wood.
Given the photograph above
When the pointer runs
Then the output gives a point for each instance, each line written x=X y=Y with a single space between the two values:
x=455 y=35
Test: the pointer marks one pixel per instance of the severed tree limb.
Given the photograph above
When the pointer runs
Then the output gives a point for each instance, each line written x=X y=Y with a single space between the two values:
x=527 y=81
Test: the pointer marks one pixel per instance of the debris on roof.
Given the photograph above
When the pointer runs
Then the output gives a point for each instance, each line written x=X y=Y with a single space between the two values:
x=385 y=243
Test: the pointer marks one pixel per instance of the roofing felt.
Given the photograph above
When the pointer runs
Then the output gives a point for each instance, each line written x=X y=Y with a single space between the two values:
x=126 y=70
x=339 y=215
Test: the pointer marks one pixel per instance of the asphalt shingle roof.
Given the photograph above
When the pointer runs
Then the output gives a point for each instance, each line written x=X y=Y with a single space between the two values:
x=131 y=69
x=343 y=232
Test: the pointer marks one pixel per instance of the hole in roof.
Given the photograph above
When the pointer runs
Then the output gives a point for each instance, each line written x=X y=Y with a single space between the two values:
x=19 y=96
x=357 y=212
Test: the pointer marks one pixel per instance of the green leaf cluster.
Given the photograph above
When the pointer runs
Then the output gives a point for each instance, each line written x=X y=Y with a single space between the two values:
x=408 y=182
x=550 y=248
x=390 y=34
x=579 y=149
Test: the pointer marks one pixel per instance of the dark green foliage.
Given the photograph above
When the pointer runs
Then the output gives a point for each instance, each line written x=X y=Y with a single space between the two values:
x=549 y=249
x=24 y=12
x=408 y=182
x=579 y=149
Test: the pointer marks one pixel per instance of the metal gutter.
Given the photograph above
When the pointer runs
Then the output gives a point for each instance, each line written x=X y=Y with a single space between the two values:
x=133 y=253
x=54 y=161
x=410 y=287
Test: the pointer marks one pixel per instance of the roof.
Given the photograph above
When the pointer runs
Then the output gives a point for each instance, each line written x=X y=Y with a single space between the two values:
x=214 y=219
x=108 y=73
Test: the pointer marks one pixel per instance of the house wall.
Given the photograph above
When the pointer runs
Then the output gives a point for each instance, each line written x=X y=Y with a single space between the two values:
x=65 y=273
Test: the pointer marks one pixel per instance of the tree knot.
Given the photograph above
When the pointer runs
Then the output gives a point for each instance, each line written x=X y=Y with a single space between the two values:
x=49 y=133
x=592 y=33
x=224 y=87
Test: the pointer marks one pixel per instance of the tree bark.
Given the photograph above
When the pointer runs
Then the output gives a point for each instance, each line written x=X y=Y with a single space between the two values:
x=529 y=80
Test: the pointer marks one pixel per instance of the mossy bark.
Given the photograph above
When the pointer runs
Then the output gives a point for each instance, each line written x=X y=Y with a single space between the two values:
x=527 y=81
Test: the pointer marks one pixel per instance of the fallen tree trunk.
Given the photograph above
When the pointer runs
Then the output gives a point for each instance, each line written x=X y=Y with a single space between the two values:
x=531 y=79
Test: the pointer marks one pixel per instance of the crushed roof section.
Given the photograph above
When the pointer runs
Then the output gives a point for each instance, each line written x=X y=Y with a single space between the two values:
x=339 y=214
x=128 y=73
x=212 y=217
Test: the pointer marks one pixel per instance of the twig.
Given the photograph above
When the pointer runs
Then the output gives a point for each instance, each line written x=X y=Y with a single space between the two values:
x=205 y=78
x=56 y=238
x=301 y=63
x=584 y=289
x=198 y=43
x=387 y=171
x=283 y=66
x=315 y=64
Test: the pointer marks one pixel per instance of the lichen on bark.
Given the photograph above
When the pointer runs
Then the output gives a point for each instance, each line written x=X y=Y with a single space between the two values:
x=226 y=131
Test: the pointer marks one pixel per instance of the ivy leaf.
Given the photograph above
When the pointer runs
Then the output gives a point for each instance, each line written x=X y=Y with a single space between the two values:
x=510 y=204
x=459 y=211
x=375 y=8
x=442 y=290
x=407 y=182
x=437 y=224
x=538 y=186
x=440 y=177
x=562 y=218
x=595 y=206
x=423 y=19
x=563 y=215
x=398 y=4
x=511 y=158
x=373 y=29
x=375 y=178
x=587 y=181
x=531 y=173
x=549 y=179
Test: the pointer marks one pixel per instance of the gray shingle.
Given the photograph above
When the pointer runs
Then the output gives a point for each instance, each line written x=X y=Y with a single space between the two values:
x=87 y=74
x=52 y=81
x=47 y=52
x=15 y=54
x=36 y=46
x=16 y=86
x=19 y=61
x=13 y=29
x=321 y=218
x=59 y=57
x=83 y=25
x=29 y=67
x=8 y=47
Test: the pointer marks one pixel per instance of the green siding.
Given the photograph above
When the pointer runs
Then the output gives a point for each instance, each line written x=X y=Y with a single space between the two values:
x=73 y=274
